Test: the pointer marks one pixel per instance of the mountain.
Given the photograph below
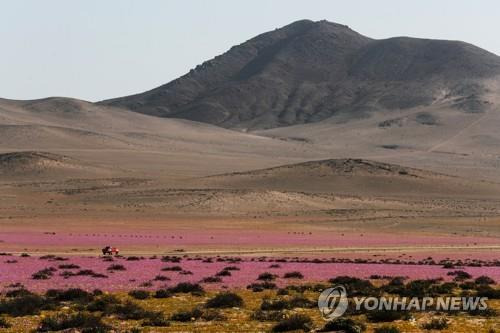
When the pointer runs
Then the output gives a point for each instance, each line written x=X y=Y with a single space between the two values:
x=309 y=71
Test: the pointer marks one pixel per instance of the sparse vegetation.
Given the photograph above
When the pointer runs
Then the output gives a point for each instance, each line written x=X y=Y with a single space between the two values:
x=436 y=324
x=139 y=294
x=346 y=325
x=82 y=320
x=293 y=323
x=225 y=300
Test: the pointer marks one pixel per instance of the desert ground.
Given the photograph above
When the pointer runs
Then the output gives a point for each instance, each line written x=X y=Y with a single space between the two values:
x=381 y=201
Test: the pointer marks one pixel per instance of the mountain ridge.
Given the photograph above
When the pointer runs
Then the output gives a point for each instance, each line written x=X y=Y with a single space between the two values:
x=310 y=71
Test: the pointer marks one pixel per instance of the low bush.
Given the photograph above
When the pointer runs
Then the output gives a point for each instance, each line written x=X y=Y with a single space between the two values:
x=69 y=266
x=116 y=267
x=161 y=278
x=293 y=323
x=85 y=321
x=487 y=291
x=293 y=275
x=129 y=310
x=4 y=323
x=173 y=259
x=25 y=305
x=231 y=268
x=262 y=315
x=18 y=292
x=355 y=286
x=484 y=280
x=266 y=276
x=212 y=315
x=460 y=275
x=279 y=304
x=139 y=294
x=103 y=303
x=488 y=313
x=158 y=320
x=185 y=316
x=223 y=273
x=162 y=293
x=89 y=272
x=43 y=274
x=225 y=300
x=172 y=268
x=257 y=287
x=378 y=316
x=211 y=279
x=72 y=294
x=346 y=325
x=301 y=302
x=387 y=329
x=436 y=324
x=187 y=287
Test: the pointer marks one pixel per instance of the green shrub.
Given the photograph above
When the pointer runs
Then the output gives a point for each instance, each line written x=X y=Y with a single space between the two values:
x=116 y=267
x=225 y=300
x=355 y=286
x=85 y=321
x=185 y=316
x=43 y=274
x=139 y=294
x=266 y=276
x=186 y=287
x=436 y=324
x=346 y=325
x=158 y=320
x=162 y=293
x=18 y=292
x=261 y=315
x=25 y=305
x=293 y=323
x=378 y=316
x=279 y=304
x=487 y=291
x=301 y=302
x=69 y=266
x=484 y=280
x=72 y=294
x=4 y=323
x=211 y=279
x=129 y=310
x=258 y=287
x=293 y=275
x=212 y=315
x=172 y=269
x=223 y=273
x=103 y=303
x=387 y=329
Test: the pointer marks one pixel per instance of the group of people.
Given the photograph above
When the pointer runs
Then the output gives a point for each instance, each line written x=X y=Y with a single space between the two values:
x=108 y=250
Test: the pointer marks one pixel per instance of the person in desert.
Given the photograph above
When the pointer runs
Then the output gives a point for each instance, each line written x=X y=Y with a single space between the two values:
x=108 y=250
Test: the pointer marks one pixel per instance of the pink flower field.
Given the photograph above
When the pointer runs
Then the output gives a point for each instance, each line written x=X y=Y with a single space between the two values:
x=17 y=269
x=237 y=238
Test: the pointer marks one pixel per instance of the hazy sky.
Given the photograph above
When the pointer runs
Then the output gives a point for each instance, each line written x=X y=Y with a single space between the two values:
x=98 y=49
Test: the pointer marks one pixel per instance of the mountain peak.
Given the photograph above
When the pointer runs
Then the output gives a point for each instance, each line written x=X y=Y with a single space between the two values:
x=308 y=71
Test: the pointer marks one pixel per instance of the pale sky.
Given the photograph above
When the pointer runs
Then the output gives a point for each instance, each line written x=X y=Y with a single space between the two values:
x=99 y=49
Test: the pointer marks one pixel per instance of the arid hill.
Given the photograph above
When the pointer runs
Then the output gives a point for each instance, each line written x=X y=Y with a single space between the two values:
x=29 y=165
x=354 y=177
x=310 y=71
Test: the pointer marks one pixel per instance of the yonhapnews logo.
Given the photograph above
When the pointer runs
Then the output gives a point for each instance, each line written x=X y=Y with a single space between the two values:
x=333 y=303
